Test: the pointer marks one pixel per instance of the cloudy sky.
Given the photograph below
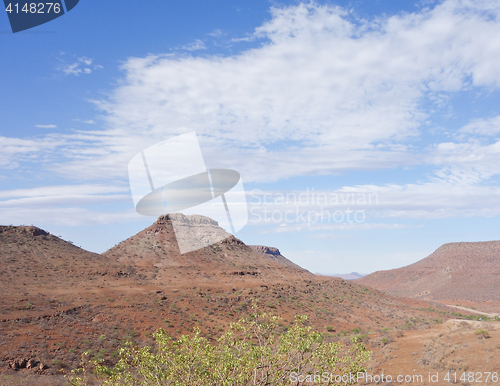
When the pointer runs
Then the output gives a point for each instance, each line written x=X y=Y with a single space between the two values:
x=366 y=133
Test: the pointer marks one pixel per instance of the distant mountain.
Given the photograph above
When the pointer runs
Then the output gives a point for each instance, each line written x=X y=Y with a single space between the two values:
x=345 y=276
x=469 y=271
x=348 y=276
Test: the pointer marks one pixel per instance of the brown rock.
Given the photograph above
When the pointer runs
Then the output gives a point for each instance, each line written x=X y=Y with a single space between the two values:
x=31 y=364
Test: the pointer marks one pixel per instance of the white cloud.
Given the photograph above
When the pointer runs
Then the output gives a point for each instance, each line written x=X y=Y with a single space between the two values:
x=71 y=69
x=216 y=33
x=66 y=216
x=63 y=190
x=337 y=228
x=195 y=46
x=432 y=200
x=323 y=94
x=77 y=200
x=66 y=205
x=468 y=163
x=482 y=126
x=85 y=60
x=89 y=121
x=46 y=126
x=83 y=65
x=16 y=150
x=363 y=205
x=339 y=93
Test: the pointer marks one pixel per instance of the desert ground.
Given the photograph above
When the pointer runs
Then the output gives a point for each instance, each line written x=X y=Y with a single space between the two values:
x=59 y=301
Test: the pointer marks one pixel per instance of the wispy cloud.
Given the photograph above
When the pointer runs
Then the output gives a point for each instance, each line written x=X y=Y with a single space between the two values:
x=46 y=126
x=343 y=93
x=86 y=61
x=82 y=65
x=63 y=190
x=73 y=205
x=66 y=216
x=14 y=151
x=88 y=121
x=195 y=46
x=216 y=33
x=483 y=126
x=323 y=94
x=365 y=204
x=346 y=95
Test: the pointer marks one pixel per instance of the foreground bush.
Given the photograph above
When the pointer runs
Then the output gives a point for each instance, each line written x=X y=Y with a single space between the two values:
x=251 y=352
x=482 y=333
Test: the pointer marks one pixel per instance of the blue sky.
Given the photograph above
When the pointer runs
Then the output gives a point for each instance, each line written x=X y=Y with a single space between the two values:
x=393 y=100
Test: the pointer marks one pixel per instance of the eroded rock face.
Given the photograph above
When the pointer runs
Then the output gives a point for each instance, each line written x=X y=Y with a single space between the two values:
x=266 y=250
x=194 y=219
x=23 y=230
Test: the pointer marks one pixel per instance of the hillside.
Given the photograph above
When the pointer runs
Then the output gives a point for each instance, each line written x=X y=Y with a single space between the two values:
x=60 y=300
x=32 y=259
x=154 y=250
x=466 y=271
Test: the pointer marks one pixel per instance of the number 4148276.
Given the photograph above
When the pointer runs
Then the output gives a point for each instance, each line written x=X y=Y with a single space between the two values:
x=484 y=376
x=34 y=8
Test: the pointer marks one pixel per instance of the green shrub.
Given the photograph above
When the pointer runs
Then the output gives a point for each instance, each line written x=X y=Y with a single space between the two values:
x=482 y=333
x=251 y=352
x=57 y=363
x=362 y=338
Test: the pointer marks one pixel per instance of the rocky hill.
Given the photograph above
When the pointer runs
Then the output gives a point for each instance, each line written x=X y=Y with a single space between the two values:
x=154 y=250
x=31 y=258
x=59 y=300
x=466 y=271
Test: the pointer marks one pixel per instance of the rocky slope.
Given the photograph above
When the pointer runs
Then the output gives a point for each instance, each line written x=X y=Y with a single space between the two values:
x=59 y=301
x=275 y=254
x=154 y=250
x=31 y=258
x=465 y=271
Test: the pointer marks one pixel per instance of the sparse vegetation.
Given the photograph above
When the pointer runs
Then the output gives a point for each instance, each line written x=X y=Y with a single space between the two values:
x=252 y=351
x=111 y=307
x=482 y=333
